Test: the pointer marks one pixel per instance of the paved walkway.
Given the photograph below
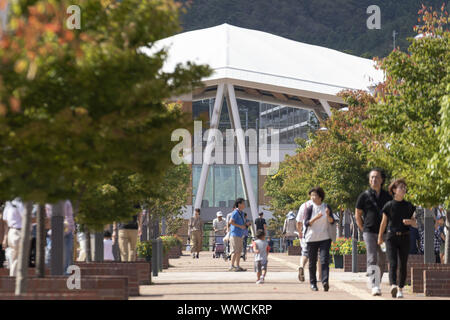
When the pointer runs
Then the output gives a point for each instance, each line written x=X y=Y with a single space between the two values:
x=208 y=279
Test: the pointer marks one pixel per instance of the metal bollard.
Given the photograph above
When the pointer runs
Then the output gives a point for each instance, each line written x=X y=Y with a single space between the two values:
x=154 y=257
x=160 y=254
x=355 y=248
x=429 y=256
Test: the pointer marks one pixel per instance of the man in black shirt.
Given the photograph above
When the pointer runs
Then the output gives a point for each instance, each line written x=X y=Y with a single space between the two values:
x=260 y=223
x=368 y=217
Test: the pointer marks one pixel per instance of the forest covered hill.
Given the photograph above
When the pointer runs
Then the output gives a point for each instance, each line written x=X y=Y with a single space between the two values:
x=336 y=24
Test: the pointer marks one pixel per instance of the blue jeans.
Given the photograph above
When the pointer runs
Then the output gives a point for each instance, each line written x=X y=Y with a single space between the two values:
x=68 y=251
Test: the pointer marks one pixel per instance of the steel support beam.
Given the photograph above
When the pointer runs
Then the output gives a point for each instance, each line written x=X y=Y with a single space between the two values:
x=245 y=168
x=209 y=147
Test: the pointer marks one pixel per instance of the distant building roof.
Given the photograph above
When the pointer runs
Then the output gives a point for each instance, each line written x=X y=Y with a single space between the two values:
x=256 y=57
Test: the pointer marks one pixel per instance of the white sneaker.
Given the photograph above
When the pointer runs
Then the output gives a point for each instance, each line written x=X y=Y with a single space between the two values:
x=376 y=291
x=258 y=282
x=261 y=280
x=394 y=290
x=399 y=294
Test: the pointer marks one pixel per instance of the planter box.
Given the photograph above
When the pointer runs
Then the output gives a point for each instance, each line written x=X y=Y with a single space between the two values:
x=362 y=264
x=338 y=261
x=142 y=268
x=165 y=261
x=31 y=272
x=49 y=288
x=436 y=283
x=294 y=251
x=138 y=273
x=174 y=252
x=417 y=274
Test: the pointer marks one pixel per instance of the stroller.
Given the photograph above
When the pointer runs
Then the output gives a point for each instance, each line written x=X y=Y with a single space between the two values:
x=219 y=247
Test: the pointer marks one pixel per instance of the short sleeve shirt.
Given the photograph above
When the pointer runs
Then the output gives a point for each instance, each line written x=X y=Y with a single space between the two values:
x=372 y=213
x=396 y=211
x=260 y=222
x=220 y=225
x=238 y=218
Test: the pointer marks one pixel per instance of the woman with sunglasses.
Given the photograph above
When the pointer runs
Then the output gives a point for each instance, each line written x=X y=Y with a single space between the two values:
x=397 y=217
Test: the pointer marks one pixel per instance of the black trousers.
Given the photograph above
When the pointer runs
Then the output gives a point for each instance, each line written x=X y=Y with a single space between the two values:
x=313 y=250
x=397 y=249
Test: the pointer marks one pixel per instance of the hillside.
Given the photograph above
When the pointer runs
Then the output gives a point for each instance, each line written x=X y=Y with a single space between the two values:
x=336 y=24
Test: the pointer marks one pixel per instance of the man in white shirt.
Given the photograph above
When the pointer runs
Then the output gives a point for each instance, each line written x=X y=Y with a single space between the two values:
x=13 y=214
x=219 y=225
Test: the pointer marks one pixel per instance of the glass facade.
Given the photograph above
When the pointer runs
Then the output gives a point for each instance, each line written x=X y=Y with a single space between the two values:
x=224 y=186
x=224 y=183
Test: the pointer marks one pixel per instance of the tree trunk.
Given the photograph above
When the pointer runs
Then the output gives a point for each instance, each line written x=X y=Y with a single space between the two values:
x=40 y=242
x=447 y=239
x=24 y=252
x=88 y=245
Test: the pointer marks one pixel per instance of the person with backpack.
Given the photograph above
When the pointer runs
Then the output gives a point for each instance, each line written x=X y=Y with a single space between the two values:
x=398 y=216
x=290 y=229
x=319 y=222
x=368 y=218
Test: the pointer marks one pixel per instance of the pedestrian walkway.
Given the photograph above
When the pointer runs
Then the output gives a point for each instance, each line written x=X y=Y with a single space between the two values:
x=208 y=279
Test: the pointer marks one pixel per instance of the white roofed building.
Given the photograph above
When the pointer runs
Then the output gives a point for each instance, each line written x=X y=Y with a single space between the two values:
x=259 y=81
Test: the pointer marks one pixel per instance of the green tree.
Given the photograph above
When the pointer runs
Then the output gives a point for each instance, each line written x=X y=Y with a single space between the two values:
x=76 y=105
x=408 y=107
x=337 y=159
x=169 y=196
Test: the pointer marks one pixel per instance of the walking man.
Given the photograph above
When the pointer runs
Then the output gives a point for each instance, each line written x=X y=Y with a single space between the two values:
x=195 y=233
x=368 y=218
x=128 y=234
x=13 y=214
x=237 y=226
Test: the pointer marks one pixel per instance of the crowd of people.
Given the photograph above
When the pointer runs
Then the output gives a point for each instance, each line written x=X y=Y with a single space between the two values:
x=124 y=234
x=391 y=227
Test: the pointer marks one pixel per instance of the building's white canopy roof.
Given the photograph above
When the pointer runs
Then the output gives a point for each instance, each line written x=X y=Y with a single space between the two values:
x=255 y=57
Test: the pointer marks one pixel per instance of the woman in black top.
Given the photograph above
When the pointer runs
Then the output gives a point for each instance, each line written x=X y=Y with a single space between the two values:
x=397 y=217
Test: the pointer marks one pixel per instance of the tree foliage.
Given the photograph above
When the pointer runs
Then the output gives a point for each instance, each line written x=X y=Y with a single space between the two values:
x=408 y=110
x=337 y=159
x=76 y=105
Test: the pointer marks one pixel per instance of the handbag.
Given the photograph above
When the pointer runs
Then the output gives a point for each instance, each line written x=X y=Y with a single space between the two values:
x=332 y=230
